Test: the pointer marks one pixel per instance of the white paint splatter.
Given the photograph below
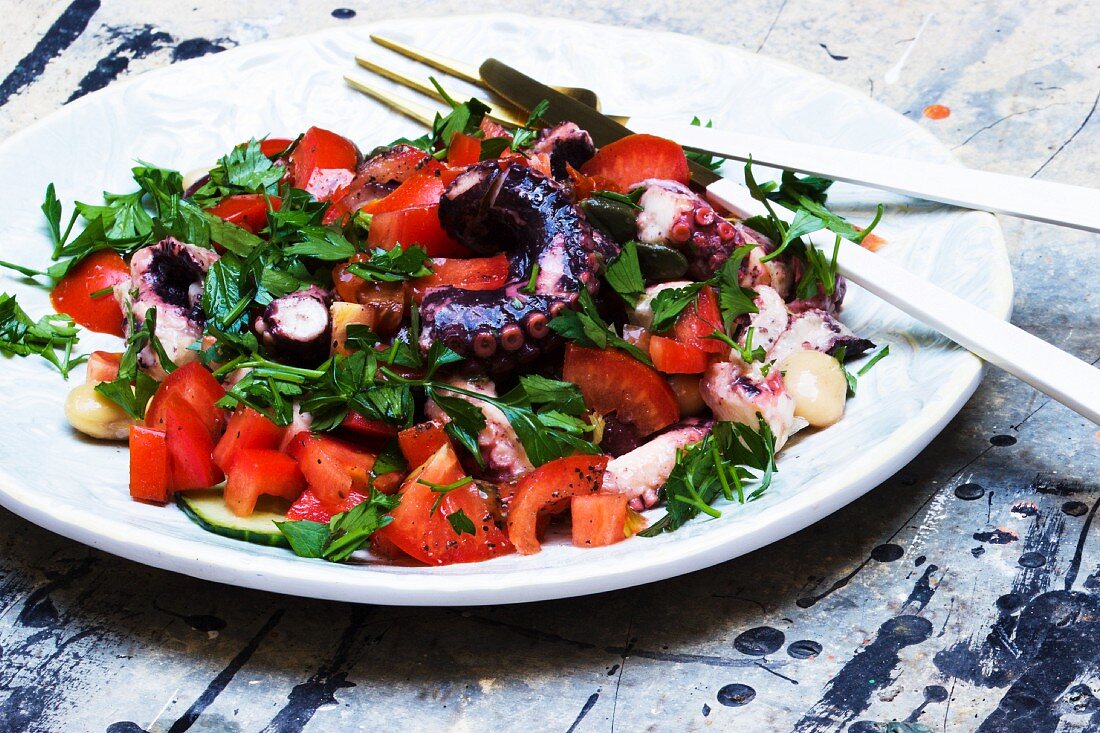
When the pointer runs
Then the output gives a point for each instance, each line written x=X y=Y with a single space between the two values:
x=894 y=73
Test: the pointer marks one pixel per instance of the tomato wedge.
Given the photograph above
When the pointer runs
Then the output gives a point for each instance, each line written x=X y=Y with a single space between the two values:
x=248 y=211
x=190 y=447
x=429 y=536
x=422 y=189
x=634 y=158
x=478 y=273
x=148 y=465
x=637 y=394
x=416 y=225
x=598 y=519
x=256 y=472
x=73 y=294
x=247 y=430
x=698 y=321
x=672 y=357
x=548 y=490
x=199 y=389
x=103 y=366
x=464 y=150
x=420 y=442
x=273 y=147
x=332 y=467
x=322 y=163
x=360 y=426
x=309 y=507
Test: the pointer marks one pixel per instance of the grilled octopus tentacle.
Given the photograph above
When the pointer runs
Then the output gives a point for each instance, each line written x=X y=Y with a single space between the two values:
x=515 y=209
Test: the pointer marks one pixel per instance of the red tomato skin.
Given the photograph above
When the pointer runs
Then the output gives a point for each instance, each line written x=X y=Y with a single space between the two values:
x=634 y=158
x=420 y=442
x=422 y=189
x=332 y=467
x=248 y=211
x=672 y=357
x=429 y=537
x=199 y=389
x=72 y=295
x=477 y=273
x=464 y=150
x=309 y=508
x=148 y=465
x=190 y=447
x=103 y=366
x=548 y=490
x=698 y=321
x=416 y=225
x=598 y=519
x=255 y=472
x=246 y=430
x=273 y=147
x=359 y=426
x=322 y=163
x=637 y=394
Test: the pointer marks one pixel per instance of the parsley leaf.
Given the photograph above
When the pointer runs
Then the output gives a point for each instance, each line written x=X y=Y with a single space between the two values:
x=344 y=533
x=461 y=524
x=132 y=388
x=624 y=274
x=587 y=328
x=393 y=265
x=669 y=303
x=21 y=336
x=245 y=169
x=704 y=159
x=731 y=456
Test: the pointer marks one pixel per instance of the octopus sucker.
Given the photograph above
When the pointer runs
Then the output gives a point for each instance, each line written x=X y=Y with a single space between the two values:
x=512 y=208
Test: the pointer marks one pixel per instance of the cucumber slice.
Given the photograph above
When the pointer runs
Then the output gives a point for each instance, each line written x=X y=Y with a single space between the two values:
x=208 y=510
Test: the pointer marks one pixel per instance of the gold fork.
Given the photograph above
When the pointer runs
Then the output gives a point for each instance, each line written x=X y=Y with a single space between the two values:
x=500 y=110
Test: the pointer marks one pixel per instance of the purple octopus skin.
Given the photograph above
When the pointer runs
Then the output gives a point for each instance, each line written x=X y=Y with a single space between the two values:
x=565 y=144
x=168 y=276
x=522 y=212
x=297 y=328
x=641 y=472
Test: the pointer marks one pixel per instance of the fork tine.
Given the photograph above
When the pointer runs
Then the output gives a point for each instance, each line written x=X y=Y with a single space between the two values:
x=457 y=69
x=422 y=113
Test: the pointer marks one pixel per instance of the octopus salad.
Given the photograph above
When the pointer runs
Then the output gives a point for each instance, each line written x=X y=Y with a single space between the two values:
x=430 y=352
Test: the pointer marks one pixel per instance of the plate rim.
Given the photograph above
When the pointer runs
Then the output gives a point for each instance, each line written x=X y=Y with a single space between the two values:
x=436 y=586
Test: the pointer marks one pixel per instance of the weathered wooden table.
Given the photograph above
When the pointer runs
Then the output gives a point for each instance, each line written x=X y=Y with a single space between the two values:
x=963 y=594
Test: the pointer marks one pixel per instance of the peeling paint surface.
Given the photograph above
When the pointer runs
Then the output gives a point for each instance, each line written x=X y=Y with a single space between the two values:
x=961 y=595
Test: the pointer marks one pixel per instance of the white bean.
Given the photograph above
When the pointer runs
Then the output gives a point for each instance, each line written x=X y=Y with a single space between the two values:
x=96 y=416
x=818 y=386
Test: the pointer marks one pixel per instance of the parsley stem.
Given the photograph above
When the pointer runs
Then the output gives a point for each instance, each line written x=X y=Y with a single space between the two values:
x=721 y=469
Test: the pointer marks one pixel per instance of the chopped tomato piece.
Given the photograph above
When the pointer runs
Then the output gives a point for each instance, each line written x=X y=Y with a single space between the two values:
x=464 y=150
x=273 y=147
x=322 y=163
x=199 y=389
x=73 y=294
x=248 y=211
x=148 y=465
x=478 y=273
x=247 y=430
x=377 y=176
x=422 y=189
x=332 y=467
x=429 y=535
x=309 y=507
x=256 y=472
x=634 y=158
x=672 y=357
x=548 y=490
x=420 y=442
x=417 y=225
x=369 y=429
x=598 y=519
x=699 y=320
x=637 y=394
x=493 y=129
x=103 y=366
x=190 y=447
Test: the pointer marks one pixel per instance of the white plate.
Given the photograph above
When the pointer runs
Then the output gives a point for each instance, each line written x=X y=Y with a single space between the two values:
x=186 y=115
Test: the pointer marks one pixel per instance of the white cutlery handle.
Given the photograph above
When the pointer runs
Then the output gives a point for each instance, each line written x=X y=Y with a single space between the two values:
x=1047 y=368
x=1054 y=203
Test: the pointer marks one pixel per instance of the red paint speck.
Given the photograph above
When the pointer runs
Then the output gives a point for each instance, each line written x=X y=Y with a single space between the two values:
x=936 y=112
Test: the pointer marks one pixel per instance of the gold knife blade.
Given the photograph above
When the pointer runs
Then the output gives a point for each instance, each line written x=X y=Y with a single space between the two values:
x=525 y=92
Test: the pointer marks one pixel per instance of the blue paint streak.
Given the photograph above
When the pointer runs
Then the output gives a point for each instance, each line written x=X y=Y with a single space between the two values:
x=66 y=29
